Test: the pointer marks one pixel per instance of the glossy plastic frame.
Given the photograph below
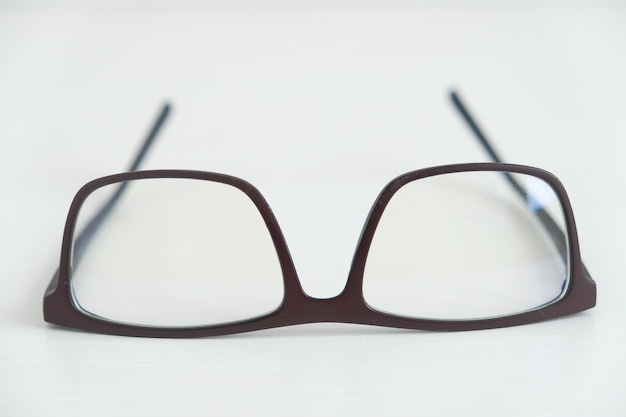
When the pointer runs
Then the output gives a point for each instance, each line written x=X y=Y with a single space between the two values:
x=349 y=306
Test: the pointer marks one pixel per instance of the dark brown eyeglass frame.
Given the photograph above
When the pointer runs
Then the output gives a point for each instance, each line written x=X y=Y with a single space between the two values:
x=297 y=307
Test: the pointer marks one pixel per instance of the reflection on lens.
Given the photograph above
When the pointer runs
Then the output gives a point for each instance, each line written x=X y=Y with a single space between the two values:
x=466 y=246
x=176 y=253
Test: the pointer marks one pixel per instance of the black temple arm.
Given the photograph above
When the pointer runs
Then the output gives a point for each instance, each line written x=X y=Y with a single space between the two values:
x=149 y=140
x=94 y=224
x=554 y=231
x=96 y=221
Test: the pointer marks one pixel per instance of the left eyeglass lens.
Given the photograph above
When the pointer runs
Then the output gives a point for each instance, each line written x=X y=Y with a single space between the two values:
x=467 y=246
x=175 y=253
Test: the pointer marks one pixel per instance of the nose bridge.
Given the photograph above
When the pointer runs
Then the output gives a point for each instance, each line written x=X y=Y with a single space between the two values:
x=323 y=224
x=347 y=307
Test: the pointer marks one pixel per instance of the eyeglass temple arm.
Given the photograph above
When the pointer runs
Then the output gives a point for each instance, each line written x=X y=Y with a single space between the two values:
x=553 y=229
x=96 y=221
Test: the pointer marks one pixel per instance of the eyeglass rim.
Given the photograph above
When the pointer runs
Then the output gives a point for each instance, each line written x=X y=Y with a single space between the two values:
x=299 y=308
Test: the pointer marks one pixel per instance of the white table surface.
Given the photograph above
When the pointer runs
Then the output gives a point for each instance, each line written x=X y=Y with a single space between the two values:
x=318 y=105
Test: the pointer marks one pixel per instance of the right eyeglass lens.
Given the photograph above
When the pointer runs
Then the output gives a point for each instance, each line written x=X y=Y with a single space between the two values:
x=175 y=253
x=467 y=246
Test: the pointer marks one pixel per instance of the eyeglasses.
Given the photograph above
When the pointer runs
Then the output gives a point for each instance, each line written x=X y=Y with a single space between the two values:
x=178 y=253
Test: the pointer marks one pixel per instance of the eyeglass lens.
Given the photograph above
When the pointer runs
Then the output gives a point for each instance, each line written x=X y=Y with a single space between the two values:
x=465 y=246
x=176 y=253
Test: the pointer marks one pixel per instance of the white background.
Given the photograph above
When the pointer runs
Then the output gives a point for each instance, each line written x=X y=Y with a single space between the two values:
x=318 y=104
